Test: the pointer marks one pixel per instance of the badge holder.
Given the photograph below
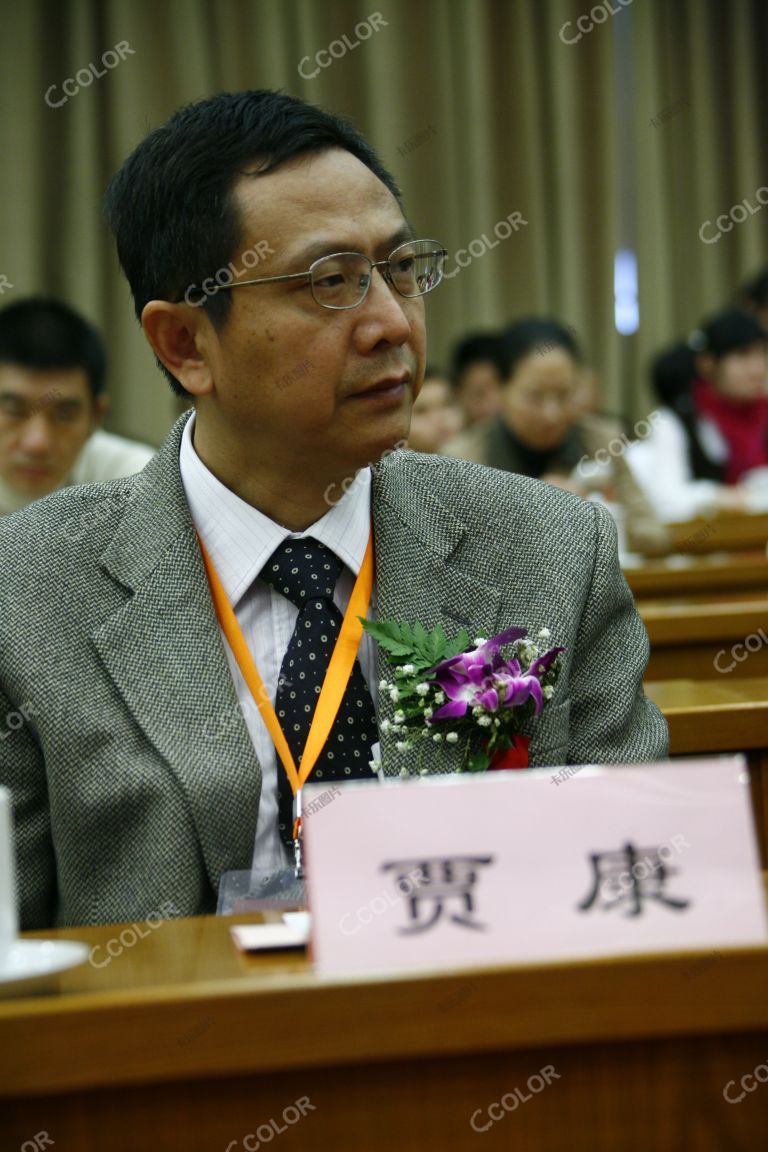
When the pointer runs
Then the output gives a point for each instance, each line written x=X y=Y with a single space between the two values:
x=265 y=889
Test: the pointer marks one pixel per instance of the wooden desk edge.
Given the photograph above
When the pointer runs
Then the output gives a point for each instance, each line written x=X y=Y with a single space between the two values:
x=321 y=1022
x=715 y=573
x=730 y=724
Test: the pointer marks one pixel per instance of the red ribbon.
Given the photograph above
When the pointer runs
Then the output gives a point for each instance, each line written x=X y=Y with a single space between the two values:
x=514 y=757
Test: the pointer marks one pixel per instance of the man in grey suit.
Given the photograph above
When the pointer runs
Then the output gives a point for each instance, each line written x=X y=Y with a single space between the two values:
x=138 y=772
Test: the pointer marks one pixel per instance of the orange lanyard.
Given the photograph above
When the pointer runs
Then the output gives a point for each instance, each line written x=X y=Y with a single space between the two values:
x=336 y=678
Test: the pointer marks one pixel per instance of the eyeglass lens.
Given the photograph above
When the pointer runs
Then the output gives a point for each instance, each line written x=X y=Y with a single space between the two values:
x=341 y=281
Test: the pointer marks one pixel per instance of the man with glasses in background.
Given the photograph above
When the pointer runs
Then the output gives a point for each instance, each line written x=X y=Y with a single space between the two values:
x=188 y=636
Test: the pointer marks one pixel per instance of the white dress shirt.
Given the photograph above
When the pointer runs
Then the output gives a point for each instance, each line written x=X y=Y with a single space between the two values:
x=240 y=540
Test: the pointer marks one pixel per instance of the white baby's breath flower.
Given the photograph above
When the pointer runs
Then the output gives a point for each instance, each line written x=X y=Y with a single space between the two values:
x=375 y=766
x=528 y=653
x=438 y=737
x=452 y=738
x=402 y=745
x=422 y=689
x=383 y=685
x=394 y=695
x=548 y=692
x=409 y=669
x=399 y=717
x=477 y=710
x=385 y=725
x=484 y=721
x=479 y=640
x=543 y=634
x=428 y=713
x=439 y=697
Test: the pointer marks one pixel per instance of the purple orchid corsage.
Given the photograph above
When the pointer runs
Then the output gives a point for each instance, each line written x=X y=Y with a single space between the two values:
x=450 y=692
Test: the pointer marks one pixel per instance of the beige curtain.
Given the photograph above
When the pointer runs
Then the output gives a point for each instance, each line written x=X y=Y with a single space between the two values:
x=484 y=111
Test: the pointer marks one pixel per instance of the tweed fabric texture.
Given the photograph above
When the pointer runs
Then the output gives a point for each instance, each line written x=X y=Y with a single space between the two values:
x=305 y=571
x=133 y=778
x=492 y=445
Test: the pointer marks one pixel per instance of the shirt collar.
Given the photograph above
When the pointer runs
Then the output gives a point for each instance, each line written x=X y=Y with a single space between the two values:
x=240 y=539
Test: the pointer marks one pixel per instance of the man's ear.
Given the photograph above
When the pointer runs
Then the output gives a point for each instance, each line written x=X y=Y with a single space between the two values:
x=178 y=333
x=100 y=409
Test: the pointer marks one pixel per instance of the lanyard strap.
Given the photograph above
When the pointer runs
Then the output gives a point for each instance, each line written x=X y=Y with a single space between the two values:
x=336 y=678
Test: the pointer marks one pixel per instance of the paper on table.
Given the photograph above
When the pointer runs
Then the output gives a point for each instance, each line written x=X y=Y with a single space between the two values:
x=293 y=932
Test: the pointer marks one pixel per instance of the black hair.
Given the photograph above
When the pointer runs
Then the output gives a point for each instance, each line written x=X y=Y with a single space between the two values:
x=171 y=206
x=536 y=334
x=673 y=372
x=754 y=294
x=478 y=347
x=728 y=331
x=42 y=333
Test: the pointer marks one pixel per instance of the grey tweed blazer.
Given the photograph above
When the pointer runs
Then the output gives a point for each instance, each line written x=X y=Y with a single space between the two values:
x=134 y=781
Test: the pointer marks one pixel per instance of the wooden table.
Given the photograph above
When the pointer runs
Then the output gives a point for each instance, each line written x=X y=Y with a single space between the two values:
x=182 y=1043
x=718 y=574
x=699 y=636
x=707 y=717
x=729 y=532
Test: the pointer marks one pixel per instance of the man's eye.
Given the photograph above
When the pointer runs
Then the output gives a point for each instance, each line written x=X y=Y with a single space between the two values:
x=332 y=280
x=11 y=409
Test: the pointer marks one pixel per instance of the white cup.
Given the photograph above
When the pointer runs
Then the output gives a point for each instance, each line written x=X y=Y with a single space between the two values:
x=8 y=918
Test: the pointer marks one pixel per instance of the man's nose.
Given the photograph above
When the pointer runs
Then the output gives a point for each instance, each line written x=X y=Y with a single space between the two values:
x=552 y=412
x=36 y=436
x=384 y=304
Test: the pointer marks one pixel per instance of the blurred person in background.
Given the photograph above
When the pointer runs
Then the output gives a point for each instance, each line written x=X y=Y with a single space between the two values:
x=52 y=373
x=435 y=417
x=544 y=431
x=753 y=298
x=588 y=391
x=709 y=449
x=478 y=370
x=673 y=373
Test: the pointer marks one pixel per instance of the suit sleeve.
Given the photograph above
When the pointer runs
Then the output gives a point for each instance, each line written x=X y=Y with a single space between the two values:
x=22 y=772
x=611 y=719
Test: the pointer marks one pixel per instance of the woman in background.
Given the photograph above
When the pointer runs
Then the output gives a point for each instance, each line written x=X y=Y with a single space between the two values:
x=710 y=440
x=544 y=431
x=477 y=375
x=435 y=418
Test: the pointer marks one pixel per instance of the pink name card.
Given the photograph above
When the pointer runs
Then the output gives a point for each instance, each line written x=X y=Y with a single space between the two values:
x=517 y=867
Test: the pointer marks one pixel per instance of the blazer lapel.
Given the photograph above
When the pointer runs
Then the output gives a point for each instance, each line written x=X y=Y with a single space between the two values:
x=164 y=652
x=421 y=574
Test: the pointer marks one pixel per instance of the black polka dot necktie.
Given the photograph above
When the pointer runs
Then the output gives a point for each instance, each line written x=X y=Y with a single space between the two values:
x=305 y=572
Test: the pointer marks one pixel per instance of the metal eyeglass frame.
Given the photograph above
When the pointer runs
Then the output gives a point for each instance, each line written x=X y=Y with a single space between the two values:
x=439 y=251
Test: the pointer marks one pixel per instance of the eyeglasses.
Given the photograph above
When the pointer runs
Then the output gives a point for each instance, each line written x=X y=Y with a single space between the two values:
x=342 y=280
